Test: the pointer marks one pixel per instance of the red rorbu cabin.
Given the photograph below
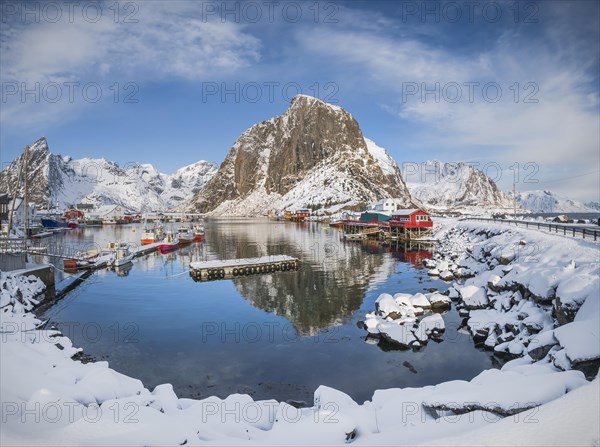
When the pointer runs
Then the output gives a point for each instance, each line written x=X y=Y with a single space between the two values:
x=302 y=214
x=411 y=218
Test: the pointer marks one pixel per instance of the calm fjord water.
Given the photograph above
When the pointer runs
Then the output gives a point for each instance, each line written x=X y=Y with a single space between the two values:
x=277 y=335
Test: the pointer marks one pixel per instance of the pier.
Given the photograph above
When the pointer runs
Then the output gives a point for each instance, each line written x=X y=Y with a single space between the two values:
x=210 y=270
x=396 y=231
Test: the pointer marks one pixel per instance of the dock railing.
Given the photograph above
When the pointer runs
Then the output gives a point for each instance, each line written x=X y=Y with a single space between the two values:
x=557 y=228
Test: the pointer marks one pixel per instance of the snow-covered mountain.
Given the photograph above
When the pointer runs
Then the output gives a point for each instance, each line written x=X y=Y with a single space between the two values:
x=457 y=187
x=62 y=181
x=544 y=201
x=313 y=156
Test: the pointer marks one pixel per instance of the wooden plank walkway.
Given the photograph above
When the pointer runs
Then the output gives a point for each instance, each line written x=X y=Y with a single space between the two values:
x=210 y=270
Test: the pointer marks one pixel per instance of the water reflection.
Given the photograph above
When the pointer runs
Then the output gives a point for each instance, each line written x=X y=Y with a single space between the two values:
x=335 y=273
x=313 y=313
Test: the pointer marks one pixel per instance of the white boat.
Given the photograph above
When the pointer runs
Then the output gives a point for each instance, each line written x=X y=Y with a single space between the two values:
x=117 y=253
x=185 y=235
x=122 y=256
x=110 y=221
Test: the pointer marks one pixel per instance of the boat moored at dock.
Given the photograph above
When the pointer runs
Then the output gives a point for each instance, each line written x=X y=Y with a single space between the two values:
x=169 y=244
x=185 y=235
x=198 y=232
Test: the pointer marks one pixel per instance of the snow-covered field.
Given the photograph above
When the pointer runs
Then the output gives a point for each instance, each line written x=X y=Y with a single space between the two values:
x=530 y=294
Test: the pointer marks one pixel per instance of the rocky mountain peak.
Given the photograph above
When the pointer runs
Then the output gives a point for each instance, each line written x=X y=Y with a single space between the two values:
x=314 y=155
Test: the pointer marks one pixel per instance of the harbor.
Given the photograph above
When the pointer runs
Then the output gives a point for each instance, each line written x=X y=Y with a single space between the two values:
x=270 y=327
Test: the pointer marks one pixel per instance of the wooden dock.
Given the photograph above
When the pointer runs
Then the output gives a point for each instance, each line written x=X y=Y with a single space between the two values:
x=356 y=230
x=210 y=270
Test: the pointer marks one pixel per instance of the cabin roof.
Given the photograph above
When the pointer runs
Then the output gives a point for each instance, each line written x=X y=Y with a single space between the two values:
x=406 y=212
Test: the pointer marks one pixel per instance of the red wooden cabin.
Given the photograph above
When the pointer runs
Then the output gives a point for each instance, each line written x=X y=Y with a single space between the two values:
x=302 y=214
x=411 y=218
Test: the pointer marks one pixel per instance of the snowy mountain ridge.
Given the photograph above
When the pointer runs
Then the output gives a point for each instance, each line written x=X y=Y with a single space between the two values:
x=455 y=187
x=61 y=181
x=545 y=201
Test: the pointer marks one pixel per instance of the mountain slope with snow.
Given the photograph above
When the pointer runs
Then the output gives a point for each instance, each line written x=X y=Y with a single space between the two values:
x=457 y=187
x=312 y=156
x=544 y=201
x=62 y=181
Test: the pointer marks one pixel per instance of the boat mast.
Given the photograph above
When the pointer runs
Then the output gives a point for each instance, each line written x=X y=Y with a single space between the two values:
x=25 y=194
x=15 y=192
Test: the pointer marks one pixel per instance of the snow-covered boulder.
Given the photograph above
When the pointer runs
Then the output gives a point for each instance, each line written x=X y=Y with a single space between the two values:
x=572 y=293
x=446 y=275
x=580 y=340
x=540 y=344
x=439 y=301
x=473 y=297
x=398 y=333
x=420 y=300
x=386 y=306
x=432 y=325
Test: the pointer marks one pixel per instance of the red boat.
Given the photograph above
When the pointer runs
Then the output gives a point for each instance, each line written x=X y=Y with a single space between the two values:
x=198 y=232
x=169 y=244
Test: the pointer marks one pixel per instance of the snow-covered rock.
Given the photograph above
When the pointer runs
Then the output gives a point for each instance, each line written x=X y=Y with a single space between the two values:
x=473 y=297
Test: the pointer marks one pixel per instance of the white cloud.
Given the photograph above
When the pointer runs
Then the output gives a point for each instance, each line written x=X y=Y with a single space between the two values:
x=561 y=131
x=167 y=42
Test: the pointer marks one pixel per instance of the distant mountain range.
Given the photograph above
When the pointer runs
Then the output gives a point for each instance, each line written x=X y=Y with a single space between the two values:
x=62 y=181
x=456 y=187
x=548 y=202
x=312 y=156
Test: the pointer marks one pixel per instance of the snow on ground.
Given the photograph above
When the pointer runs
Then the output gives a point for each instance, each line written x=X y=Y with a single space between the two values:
x=50 y=399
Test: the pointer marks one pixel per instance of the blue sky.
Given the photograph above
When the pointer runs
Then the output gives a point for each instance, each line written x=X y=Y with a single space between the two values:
x=171 y=64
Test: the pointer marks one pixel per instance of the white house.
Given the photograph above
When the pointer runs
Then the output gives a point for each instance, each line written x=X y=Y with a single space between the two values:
x=388 y=204
x=18 y=214
x=108 y=212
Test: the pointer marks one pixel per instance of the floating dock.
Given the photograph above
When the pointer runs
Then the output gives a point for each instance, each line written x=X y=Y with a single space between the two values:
x=210 y=270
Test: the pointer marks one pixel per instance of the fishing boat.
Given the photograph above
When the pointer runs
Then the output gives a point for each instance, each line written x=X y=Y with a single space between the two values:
x=72 y=223
x=185 y=235
x=336 y=224
x=122 y=256
x=152 y=235
x=54 y=223
x=148 y=236
x=198 y=232
x=170 y=243
x=110 y=221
